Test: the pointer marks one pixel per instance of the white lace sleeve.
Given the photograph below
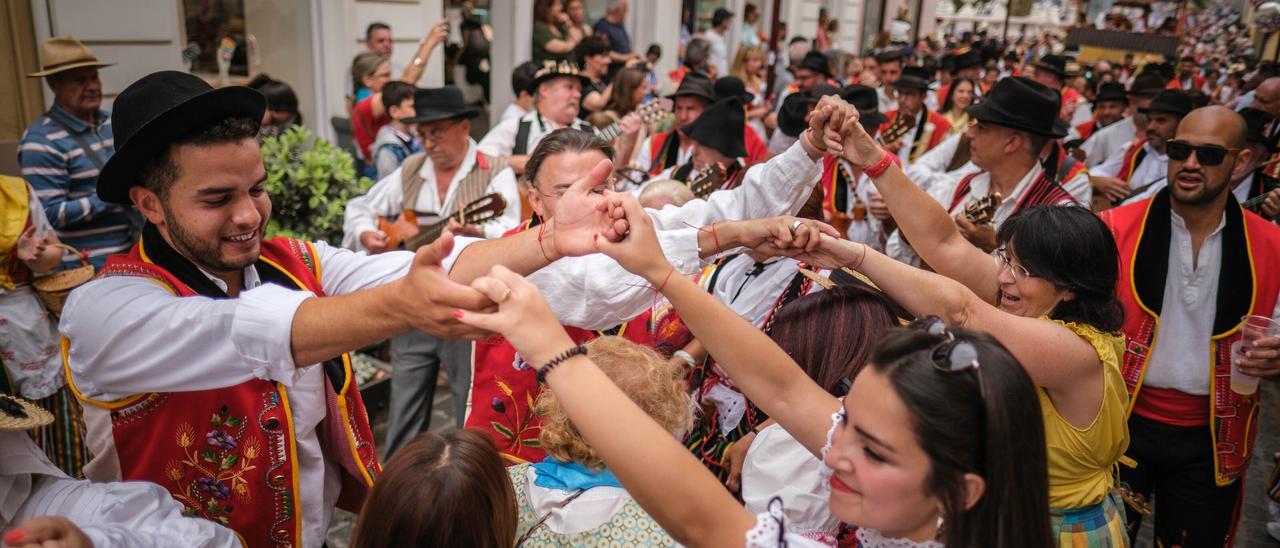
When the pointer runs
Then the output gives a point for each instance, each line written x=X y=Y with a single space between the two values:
x=771 y=531
x=825 y=471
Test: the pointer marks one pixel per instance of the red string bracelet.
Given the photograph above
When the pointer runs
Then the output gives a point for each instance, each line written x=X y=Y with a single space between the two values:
x=875 y=171
x=665 y=280
x=541 y=228
x=861 y=258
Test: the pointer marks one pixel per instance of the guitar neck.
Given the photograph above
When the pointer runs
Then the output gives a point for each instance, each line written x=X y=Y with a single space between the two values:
x=427 y=234
x=1252 y=204
x=610 y=133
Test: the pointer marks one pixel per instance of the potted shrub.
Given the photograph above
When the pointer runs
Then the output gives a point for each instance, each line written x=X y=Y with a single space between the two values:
x=310 y=181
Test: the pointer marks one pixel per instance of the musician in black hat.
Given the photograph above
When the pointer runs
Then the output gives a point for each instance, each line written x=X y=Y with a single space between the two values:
x=1052 y=71
x=1114 y=139
x=913 y=129
x=206 y=317
x=446 y=181
x=557 y=101
x=666 y=149
x=717 y=137
x=732 y=86
x=1144 y=162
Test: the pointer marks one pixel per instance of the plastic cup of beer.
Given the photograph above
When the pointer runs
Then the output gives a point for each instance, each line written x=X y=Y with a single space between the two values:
x=1252 y=328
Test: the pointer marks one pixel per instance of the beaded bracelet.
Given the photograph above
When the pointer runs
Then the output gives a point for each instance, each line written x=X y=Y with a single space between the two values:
x=564 y=356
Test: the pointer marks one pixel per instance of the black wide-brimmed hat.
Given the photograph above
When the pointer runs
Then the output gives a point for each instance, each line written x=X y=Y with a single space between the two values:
x=1256 y=123
x=1023 y=104
x=916 y=78
x=1056 y=64
x=732 y=86
x=867 y=102
x=1172 y=101
x=1111 y=91
x=433 y=104
x=720 y=127
x=1148 y=82
x=556 y=69
x=817 y=62
x=159 y=109
x=970 y=58
x=792 y=113
x=695 y=84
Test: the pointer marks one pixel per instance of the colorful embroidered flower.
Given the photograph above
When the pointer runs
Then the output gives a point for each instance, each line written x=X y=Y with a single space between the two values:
x=519 y=364
x=497 y=405
x=214 y=487
x=220 y=438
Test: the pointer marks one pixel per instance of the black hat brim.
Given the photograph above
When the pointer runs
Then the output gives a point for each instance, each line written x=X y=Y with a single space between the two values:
x=434 y=115
x=873 y=118
x=1060 y=72
x=988 y=112
x=911 y=82
x=693 y=93
x=533 y=86
x=121 y=171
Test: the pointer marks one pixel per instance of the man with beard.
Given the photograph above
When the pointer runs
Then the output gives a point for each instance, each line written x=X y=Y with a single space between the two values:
x=1108 y=108
x=212 y=361
x=1144 y=163
x=1112 y=140
x=1193 y=262
x=437 y=184
x=928 y=127
x=557 y=98
x=668 y=149
x=63 y=150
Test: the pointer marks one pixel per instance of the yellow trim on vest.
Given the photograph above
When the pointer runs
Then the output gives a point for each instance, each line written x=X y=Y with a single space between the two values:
x=347 y=428
x=293 y=463
x=315 y=262
x=286 y=272
x=71 y=383
x=1155 y=329
x=1133 y=164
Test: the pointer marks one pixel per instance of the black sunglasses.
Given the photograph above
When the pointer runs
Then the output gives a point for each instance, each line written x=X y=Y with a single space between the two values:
x=1207 y=155
x=952 y=355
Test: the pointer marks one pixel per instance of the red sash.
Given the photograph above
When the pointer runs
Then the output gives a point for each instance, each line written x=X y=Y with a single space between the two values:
x=1131 y=160
x=1043 y=191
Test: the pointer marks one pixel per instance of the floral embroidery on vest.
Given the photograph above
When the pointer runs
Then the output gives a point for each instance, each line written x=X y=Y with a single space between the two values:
x=524 y=434
x=211 y=472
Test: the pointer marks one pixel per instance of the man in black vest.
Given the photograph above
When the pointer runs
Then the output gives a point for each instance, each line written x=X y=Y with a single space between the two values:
x=557 y=97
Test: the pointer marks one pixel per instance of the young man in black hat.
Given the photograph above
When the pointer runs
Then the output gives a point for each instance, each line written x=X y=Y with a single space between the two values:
x=1144 y=163
x=1108 y=108
x=928 y=128
x=227 y=349
x=1116 y=138
x=667 y=149
x=557 y=99
x=717 y=137
x=451 y=174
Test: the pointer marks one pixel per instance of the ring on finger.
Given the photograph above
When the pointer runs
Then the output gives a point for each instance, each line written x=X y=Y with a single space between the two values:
x=795 y=226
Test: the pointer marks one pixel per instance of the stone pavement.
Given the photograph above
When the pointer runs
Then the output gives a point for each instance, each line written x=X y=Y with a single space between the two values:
x=1252 y=532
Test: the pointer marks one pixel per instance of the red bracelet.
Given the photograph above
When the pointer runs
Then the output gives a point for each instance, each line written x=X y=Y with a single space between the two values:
x=665 y=280
x=861 y=258
x=875 y=171
x=541 y=228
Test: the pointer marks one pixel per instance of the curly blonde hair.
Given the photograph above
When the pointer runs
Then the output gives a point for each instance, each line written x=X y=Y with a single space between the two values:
x=653 y=383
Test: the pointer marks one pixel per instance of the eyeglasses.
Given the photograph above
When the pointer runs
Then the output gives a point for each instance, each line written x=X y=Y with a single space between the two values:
x=952 y=355
x=436 y=133
x=1207 y=155
x=1002 y=259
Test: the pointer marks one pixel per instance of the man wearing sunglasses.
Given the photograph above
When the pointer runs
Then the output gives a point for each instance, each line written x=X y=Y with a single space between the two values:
x=1144 y=162
x=1193 y=263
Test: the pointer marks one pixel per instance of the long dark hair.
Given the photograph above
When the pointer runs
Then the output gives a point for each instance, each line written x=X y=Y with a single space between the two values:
x=993 y=429
x=830 y=333
x=948 y=101
x=625 y=82
x=448 y=489
x=1073 y=249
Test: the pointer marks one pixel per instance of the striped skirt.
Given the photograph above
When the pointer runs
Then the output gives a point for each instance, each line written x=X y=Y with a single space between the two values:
x=63 y=439
x=1098 y=525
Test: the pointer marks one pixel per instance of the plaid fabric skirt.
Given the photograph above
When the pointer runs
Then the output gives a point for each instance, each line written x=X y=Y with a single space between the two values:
x=1098 y=525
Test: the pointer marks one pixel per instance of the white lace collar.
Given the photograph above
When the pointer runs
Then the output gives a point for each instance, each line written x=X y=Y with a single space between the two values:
x=871 y=538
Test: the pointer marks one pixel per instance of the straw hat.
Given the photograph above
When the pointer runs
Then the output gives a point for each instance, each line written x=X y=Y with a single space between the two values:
x=61 y=54
x=17 y=414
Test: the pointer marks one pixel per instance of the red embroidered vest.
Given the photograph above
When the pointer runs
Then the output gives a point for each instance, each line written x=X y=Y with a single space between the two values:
x=1042 y=191
x=1083 y=131
x=1248 y=285
x=504 y=387
x=229 y=454
x=1132 y=157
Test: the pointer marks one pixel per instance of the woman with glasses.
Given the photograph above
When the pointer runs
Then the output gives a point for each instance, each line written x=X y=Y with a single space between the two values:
x=1049 y=296
x=937 y=443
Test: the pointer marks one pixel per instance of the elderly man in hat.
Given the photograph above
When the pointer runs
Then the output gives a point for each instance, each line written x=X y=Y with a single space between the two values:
x=1006 y=142
x=667 y=149
x=557 y=99
x=1144 y=163
x=916 y=129
x=63 y=150
x=439 y=183
x=41 y=506
x=224 y=348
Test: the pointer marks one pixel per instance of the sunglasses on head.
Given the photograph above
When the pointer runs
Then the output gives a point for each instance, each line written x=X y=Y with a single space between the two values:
x=1207 y=155
x=952 y=355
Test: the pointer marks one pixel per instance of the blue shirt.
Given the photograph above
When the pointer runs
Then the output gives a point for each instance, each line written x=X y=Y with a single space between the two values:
x=619 y=41
x=66 y=180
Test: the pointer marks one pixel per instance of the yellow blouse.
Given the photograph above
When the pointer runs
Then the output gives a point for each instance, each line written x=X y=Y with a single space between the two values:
x=958 y=123
x=1081 y=460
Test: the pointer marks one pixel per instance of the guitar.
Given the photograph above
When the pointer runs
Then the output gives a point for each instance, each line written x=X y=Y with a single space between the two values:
x=405 y=232
x=706 y=181
x=901 y=126
x=1254 y=204
x=983 y=210
x=649 y=113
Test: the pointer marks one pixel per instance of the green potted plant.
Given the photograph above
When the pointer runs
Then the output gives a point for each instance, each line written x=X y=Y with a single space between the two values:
x=310 y=181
